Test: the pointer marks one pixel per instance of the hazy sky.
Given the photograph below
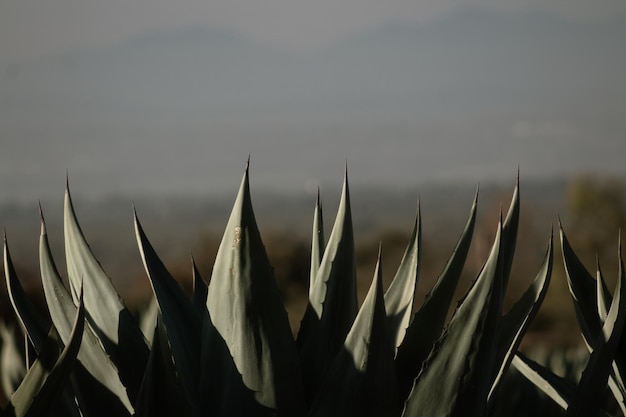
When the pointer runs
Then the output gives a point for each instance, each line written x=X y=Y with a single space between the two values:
x=31 y=28
x=161 y=95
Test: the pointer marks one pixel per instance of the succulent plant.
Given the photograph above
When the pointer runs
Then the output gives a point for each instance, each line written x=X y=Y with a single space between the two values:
x=229 y=349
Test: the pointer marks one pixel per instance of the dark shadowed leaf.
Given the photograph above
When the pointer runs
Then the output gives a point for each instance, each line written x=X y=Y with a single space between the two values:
x=161 y=393
x=515 y=323
x=28 y=315
x=332 y=301
x=200 y=291
x=182 y=323
x=559 y=389
x=582 y=287
x=46 y=378
x=588 y=398
x=34 y=325
x=428 y=322
x=362 y=379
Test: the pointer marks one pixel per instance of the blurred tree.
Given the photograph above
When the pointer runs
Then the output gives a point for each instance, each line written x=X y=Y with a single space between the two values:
x=596 y=212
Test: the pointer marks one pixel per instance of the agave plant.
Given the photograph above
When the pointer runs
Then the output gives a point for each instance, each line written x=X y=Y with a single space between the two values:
x=229 y=349
x=601 y=318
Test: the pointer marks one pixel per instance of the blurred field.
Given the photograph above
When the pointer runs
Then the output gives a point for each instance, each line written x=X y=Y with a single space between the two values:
x=592 y=211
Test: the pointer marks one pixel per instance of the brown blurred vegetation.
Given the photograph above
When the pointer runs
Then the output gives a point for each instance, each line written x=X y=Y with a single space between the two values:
x=593 y=211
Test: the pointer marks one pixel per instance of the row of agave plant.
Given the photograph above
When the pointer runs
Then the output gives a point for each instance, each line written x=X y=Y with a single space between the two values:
x=229 y=350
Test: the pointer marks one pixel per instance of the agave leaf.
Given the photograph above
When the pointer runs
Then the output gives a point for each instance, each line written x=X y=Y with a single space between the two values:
x=317 y=243
x=588 y=398
x=428 y=322
x=333 y=302
x=91 y=354
x=200 y=291
x=119 y=333
x=246 y=309
x=509 y=233
x=400 y=294
x=28 y=315
x=515 y=323
x=558 y=388
x=45 y=380
x=224 y=393
x=11 y=361
x=160 y=393
x=181 y=321
x=456 y=378
x=33 y=324
x=603 y=296
x=583 y=290
x=362 y=380
x=148 y=319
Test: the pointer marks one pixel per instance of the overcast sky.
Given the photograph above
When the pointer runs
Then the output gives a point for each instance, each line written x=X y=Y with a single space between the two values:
x=159 y=95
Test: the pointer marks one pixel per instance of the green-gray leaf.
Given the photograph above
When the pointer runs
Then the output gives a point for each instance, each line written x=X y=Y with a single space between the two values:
x=400 y=294
x=246 y=309
x=455 y=379
x=62 y=309
x=119 y=333
x=49 y=373
x=317 y=241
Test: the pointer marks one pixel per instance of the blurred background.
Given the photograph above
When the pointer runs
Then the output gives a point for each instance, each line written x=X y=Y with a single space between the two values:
x=160 y=103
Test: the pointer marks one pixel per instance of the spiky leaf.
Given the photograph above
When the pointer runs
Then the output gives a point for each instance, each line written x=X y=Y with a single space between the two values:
x=588 y=397
x=182 y=323
x=224 y=392
x=559 y=389
x=246 y=309
x=28 y=315
x=333 y=302
x=428 y=322
x=317 y=241
x=515 y=323
x=400 y=294
x=583 y=290
x=34 y=325
x=362 y=379
x=509 y=233
x=49 y=373
x=161 y=393
x=120 y=335
x=91 y=354
x=200 y=290
x=455 y=379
